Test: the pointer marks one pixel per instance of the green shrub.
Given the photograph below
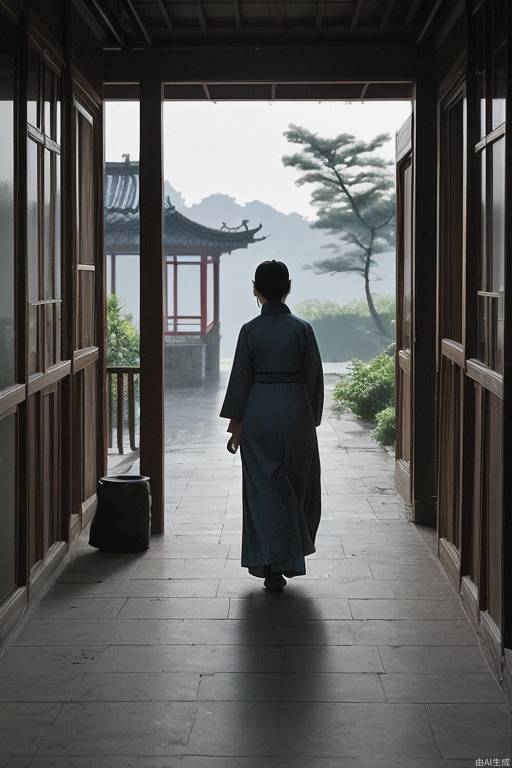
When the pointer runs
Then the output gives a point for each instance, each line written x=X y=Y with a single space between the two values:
x=316 y=309
x=385 y=429
x=123 y=343
x=347 y=331
x=369 y=388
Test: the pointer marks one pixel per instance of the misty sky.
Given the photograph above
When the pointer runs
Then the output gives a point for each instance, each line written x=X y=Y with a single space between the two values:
x=236 y=148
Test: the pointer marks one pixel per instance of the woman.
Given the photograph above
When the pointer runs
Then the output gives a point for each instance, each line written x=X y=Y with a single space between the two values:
x=274 y=402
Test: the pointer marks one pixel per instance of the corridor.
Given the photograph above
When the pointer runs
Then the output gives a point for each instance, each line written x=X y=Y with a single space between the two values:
x=177 y=657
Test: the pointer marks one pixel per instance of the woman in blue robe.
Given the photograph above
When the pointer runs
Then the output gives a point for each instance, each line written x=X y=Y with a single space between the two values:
x=274 y=401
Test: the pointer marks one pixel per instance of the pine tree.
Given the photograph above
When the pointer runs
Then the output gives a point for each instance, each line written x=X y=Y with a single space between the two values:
x=354 y=196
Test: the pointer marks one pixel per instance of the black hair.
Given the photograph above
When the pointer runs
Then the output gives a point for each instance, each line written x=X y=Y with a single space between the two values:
x=272 y=280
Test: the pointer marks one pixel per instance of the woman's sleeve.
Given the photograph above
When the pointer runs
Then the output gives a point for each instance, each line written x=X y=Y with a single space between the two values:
x=314 y=375
x=240 y=381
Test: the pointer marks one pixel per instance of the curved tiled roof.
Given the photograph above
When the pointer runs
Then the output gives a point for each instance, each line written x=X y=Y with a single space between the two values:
x=182 y=236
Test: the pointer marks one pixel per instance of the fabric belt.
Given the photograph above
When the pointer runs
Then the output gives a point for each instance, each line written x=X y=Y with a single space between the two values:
x=283 y=377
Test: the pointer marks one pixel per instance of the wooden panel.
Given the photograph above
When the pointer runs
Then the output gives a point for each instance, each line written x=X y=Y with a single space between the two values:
x=86 y=246
x=8 y=527
x=451 y=215
x=89 y=431
x=87 y=415
x=404 y=278
x=450 y=430
x=475 y=539
x=34 y=471
x=492 y=503
x=44 y=472
x=51 y=467
x=86 y=305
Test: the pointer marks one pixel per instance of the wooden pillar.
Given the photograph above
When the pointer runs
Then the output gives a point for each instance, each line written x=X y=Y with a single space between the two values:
x=152 y=294
x=424 y=301
x=204 y=293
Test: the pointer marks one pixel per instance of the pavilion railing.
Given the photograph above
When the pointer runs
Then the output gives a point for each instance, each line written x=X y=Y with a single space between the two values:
x=123 y=401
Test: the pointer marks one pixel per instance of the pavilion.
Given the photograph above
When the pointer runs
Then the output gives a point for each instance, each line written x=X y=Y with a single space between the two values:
x=191 y=252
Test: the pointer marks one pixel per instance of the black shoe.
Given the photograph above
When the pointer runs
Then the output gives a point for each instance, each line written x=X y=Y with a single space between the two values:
x=275 y=583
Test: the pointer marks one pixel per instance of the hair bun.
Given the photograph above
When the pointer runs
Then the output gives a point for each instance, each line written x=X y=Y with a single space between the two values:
x=272 y=279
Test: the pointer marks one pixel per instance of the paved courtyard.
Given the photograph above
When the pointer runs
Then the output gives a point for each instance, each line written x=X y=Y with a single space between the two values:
x=178 y=658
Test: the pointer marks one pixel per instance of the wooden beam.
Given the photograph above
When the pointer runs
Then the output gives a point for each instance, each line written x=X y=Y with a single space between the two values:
x=411 y=13
x=152 y=443
x=201 y=16
x=278 y=12
x=320 y=14
x=387 y=13
x=135 y=14
x=357 y=13
x=107 y=19
x=430 y=18
x=269 y=64
x=165 y=15
x=237 y=14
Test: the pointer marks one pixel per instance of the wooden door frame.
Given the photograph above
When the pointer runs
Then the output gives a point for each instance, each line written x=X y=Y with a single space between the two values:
x=145 y=75
x=452 y=92
x=403 y=157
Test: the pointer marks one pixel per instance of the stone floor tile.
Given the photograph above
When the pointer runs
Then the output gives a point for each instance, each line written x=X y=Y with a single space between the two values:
x=429 y=588
x=202 y=659
x=280 y=607
x=304 y=587
x=333 y=659
x=24 y=726
x=139 y=686
x=199 y=761
x=329 y=551
x=341 y=569
x=44 y=674
x=396 y=570
x=400 y=609
x=175 y=608
x=448 y=687
x=167 y=588
x=164 y=568
x=472 y=730
x=90 y=588
x=416 y=632
x=15 y=761
x=173 y=548
x=291 y=687
x=122 y=728
x=78 y=608
x=312 y=729
x=321 y=686
x=241 y=686
x=433 y=659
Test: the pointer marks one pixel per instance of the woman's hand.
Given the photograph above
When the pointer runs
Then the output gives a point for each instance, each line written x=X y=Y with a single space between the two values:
x=235 y=427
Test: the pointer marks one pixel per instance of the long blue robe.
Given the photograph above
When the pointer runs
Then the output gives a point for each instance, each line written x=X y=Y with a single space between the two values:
x=276 y=389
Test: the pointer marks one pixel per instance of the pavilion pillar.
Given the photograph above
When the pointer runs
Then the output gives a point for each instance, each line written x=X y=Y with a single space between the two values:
x=424 y=488
x=152 y=295
x=216 y=275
